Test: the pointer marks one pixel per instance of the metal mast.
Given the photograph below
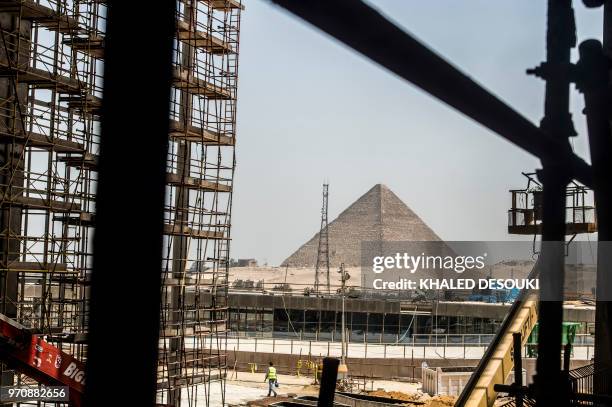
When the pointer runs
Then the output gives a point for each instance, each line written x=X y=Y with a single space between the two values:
x=323 y=250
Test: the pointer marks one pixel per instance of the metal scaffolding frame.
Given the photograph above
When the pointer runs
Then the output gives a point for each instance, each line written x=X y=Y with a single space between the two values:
x=50 y=96
x=51 y=67
x=197 y=215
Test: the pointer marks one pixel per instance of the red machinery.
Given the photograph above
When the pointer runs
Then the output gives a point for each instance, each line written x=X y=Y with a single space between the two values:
x=33 y=356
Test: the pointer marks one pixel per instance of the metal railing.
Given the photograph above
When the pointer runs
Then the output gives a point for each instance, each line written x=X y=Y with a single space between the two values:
x=393 y=350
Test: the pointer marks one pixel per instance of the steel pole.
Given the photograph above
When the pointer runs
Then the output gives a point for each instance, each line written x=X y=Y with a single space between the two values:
x=557 y=123
x=593 y=82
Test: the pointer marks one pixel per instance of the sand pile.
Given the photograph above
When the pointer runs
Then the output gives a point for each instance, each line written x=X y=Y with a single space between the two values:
x=415 y=399
x=441 y=401
x=396 y=395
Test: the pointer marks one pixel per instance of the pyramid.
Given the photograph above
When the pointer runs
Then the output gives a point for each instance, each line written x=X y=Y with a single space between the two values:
x=379 y=216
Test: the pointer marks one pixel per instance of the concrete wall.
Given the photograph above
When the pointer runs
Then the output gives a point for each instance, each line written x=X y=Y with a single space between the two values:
x=371 y=367
x=375 y=367
x=444 y=308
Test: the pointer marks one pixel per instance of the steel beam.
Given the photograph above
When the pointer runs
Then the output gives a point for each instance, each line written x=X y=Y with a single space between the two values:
x=329 y=376
x=365 y=30
x=593 y=73
x=557 y=122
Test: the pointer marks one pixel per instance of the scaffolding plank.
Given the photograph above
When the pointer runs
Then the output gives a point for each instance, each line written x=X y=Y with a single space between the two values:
x=185 y=80
x=83 y=103
x=220 y=5
x=85 y=161
x=43 y=15
x=188 y=33
x=177 y=230
x=226 y=4
x=40 y=203
x=198 y=134
x=81 y=219
x=570 y=229
x=34 y=266
x=92 y=45
x=40 y=78
x=32 y=139
x=196 y=183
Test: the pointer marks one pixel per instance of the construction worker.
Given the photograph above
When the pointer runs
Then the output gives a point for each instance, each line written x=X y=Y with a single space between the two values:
x=271 y=378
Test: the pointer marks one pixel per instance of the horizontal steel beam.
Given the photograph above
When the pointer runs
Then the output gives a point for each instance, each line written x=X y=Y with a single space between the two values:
x=365 y=30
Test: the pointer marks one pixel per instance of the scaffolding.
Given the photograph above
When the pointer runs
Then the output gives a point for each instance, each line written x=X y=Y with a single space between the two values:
x=50 y=95
x=525 y=213
x=51 y=65
x=200 y=166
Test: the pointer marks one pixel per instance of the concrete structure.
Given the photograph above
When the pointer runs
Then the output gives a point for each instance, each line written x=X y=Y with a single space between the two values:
x=373 y=320
x=51 y=83
x=245 y=263
x=377 y=216
x=450 y=381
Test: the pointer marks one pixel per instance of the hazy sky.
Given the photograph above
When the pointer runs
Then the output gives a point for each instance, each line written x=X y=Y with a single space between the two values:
x=311 y=110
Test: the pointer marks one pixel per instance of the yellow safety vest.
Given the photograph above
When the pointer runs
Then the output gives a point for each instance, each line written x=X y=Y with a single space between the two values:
x=271 y=373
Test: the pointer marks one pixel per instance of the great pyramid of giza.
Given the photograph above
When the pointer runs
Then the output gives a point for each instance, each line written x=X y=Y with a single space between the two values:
x=377 y=216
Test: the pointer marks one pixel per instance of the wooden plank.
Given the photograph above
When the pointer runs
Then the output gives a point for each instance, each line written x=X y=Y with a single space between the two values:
x=43 y=15
x=201 y=39
x=37 y=140
x=177 y=230
x=570 y=229
x=34 y=266
x=86 y=161
x=226 y=4
x=84 y=103
x=82 y=219
x=40 y=203
x=40 y=78
x=197 y=134
x=196 y=183
x=92 y=45
x=185 y=80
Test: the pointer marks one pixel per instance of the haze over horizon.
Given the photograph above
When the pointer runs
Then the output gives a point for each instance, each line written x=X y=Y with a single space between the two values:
x=310 y=110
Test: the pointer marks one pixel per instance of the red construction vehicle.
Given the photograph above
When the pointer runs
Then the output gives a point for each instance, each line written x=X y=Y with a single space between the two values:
x=33 y=356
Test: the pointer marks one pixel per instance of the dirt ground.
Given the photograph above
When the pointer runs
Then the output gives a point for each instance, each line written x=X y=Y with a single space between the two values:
x=267 y=401
x=417 y=398
x=249 y=389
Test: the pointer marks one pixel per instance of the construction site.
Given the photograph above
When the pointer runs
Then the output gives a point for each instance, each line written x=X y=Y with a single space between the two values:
x=185 y=322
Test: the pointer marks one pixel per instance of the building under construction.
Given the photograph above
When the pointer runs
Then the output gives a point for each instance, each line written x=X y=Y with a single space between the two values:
x=52 y=63
x=75 y=158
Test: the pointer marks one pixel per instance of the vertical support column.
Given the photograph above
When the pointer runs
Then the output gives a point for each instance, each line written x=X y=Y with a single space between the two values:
x=557 y=122
x=550 y=318
x=12 y=164
x=329 y=376
x=593 y=81
x=180 y=243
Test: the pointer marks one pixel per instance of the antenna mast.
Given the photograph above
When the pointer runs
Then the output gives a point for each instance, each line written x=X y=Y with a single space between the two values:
x=323 y=250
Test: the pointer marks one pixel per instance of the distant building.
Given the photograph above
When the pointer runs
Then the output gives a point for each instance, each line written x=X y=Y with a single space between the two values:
x=245 y=263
